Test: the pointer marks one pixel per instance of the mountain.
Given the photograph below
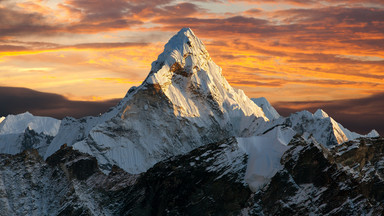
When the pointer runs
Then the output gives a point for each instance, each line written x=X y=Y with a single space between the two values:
x=185 y=142
x=318 y=125
x=25 y=131
x=185 y=102
x=267 y=108
x=209 y=180
x=344 y=180
x=13 y=124
x=322 y=127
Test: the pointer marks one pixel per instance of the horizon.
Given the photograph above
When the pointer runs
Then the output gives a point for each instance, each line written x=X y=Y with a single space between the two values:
x=297 y=55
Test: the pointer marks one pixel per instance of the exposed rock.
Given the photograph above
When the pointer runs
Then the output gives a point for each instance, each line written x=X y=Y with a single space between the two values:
x=321 y=182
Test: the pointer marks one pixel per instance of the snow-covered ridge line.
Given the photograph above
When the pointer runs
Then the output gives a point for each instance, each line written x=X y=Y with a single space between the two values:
x=185 y=102
x=338 y=127
x=321 y=126
x=14 y=124
x=25 y=131
x=269 y=111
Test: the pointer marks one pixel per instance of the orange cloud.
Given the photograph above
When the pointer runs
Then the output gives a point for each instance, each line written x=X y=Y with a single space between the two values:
x=305 y=51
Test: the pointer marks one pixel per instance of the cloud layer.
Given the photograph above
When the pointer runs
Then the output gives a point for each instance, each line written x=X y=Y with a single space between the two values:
x=19 y=100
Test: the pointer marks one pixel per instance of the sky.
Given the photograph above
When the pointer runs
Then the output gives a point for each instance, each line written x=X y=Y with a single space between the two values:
x=79 y=57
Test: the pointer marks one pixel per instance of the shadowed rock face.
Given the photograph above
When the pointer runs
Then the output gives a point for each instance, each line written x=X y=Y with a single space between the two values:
x=344 y=180
x=347 y=180
x=74 y=164
x=199 y=183
x=68 y=183
x=208 y=180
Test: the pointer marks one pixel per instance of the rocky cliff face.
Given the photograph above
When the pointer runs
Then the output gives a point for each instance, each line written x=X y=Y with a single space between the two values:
x=345 y=180
x=68 y=183
x=184 y=103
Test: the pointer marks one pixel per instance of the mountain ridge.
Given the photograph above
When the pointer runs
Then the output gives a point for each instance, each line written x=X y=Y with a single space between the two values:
x=186 y=142
x=184 y=90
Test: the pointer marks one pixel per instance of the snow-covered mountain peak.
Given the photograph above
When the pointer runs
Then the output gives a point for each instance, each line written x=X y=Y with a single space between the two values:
x=183 y=54
x=321 y=114
x=185 y=73
x=373 y=133
x=185 y=102
x=2 y=118
x=268 y=109
x=15 y=124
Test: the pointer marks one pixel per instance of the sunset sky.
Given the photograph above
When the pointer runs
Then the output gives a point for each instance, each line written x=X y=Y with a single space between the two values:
x=71 y=55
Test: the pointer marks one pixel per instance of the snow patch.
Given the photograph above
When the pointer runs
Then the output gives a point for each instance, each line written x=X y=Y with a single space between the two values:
x=264 y=154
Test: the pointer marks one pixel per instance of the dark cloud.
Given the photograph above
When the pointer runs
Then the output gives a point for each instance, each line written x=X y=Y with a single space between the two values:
x=100 y=10
x=106 y=45
x=212 y=27
x=317 y=29
x=313 y=2
x=14 y=22
x=360 y=115
x=328 y=16
x=90 y=16
x=5 y=48
x=28 y=46
x=254 y=11
x=18 y=100
x=108 y=11
x=256 y=83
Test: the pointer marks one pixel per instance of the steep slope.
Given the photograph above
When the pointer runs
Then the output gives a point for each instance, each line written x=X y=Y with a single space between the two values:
x=346 y=180
x=267 y=108
x=264 y=154
x=25 y=131
x=318 y=125
x=67 y=183
x=206 y=181
x=13 y=124
x=185 y=102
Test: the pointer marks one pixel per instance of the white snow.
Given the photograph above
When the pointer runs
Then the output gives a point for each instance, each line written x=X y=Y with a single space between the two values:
x=189 y=52
x=373 y=133
x=14 y=124
x=193 y=105
x=320 y=126
x=268 y=109
x=320 y=114
x=13 y=127
x=10 y=143
x=264 y=154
